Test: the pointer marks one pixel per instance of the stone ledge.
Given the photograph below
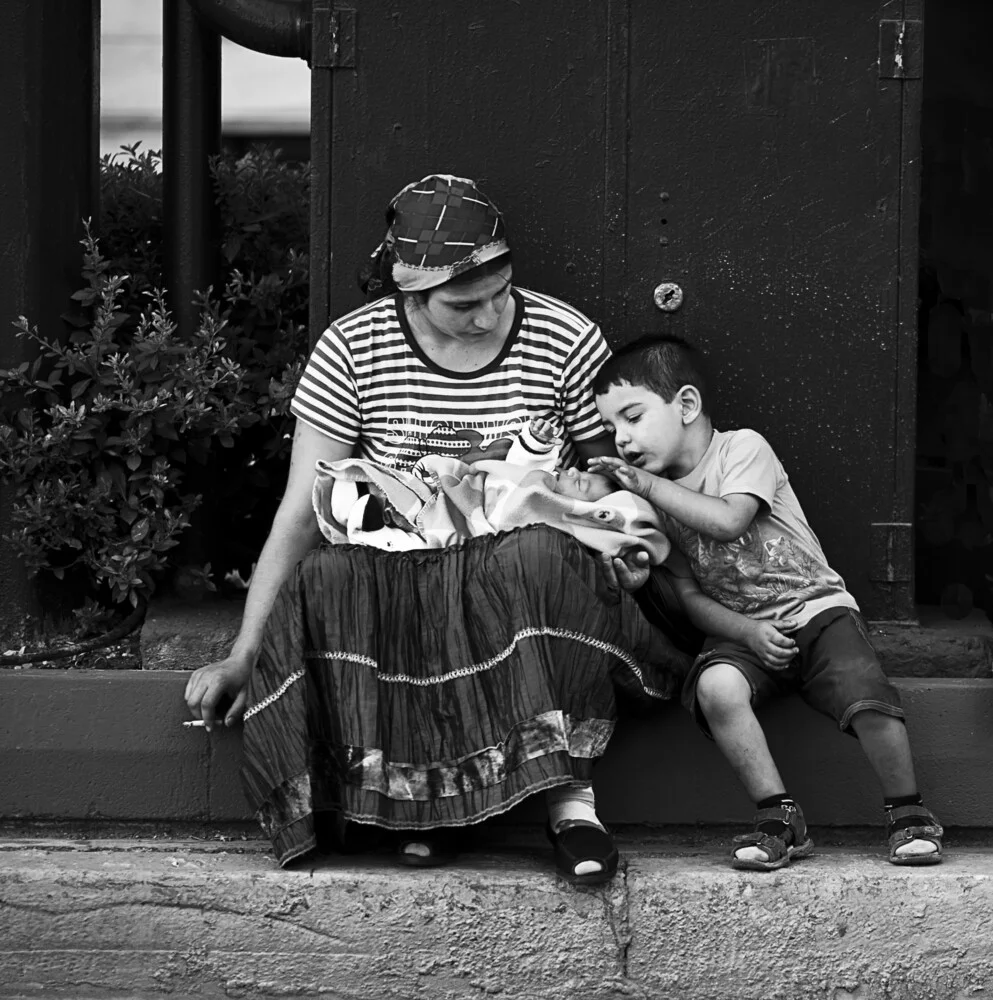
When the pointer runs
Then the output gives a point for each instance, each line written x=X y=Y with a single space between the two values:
x=110 y=745
x=139 y=920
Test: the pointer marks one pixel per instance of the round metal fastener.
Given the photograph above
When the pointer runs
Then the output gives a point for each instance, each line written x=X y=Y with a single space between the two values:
x=668 y=296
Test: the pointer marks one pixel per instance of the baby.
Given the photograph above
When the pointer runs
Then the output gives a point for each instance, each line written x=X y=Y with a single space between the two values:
x=442 y=501
x=537 y=447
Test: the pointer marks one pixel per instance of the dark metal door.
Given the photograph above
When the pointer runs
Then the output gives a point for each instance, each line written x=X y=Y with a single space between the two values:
x=761 y=157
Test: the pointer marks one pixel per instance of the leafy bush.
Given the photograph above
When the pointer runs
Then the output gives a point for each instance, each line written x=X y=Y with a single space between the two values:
x=107 y=433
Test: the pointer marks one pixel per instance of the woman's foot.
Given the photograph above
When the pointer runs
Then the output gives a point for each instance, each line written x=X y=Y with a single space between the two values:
x=584 y=852
x=429 y=848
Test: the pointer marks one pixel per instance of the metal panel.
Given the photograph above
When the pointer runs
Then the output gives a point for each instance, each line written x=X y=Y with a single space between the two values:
x=749 y=153
x=765 y=180
x=510 y=94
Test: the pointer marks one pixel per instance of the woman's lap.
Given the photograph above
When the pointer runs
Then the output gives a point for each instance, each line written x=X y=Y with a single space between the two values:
x=437 y=688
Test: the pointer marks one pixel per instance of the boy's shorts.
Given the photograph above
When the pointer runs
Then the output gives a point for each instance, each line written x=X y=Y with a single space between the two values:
x=835 y=671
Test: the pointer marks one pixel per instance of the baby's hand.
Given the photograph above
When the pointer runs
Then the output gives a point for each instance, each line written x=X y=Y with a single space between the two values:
x=543 y=430
x=626 y=476
x=767 y=639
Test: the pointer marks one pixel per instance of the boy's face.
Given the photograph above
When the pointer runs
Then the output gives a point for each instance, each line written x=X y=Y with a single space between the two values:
x=649 y=433
x=583 y=485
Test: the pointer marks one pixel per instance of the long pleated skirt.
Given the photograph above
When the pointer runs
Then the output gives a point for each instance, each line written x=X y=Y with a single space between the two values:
x=413 y=690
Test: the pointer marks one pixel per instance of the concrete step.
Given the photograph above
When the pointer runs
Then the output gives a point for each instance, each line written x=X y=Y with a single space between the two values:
x=136 y=919
x=110 y=745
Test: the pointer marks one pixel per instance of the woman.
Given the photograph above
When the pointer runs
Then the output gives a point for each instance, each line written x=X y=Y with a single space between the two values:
x=424 y=692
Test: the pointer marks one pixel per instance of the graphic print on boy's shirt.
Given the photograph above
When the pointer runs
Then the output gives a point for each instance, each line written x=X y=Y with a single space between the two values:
x=776 y=568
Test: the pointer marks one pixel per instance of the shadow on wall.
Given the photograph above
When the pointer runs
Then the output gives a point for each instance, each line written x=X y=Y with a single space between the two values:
x=954 y=548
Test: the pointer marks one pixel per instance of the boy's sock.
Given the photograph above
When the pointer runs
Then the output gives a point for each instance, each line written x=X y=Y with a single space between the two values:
x=776 y=827
x=893 y=801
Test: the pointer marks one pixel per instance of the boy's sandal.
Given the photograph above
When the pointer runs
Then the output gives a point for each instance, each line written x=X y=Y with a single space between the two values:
x=439 y=846
x=778 y=852
x=583 y=842
x=929 y=830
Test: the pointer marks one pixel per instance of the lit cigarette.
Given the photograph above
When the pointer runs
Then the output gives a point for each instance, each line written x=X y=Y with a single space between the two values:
x=195 y=722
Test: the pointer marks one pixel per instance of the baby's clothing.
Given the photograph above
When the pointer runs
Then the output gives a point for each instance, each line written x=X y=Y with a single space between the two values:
x=777 y=570
x=442 y=501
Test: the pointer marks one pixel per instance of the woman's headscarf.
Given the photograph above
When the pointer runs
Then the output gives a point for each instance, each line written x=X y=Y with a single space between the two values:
x=439 y=227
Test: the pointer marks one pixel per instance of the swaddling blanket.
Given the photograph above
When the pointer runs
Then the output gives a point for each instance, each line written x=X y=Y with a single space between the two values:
x=442 y=501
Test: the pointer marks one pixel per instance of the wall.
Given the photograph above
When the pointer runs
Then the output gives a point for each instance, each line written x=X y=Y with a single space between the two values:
x=954 y=507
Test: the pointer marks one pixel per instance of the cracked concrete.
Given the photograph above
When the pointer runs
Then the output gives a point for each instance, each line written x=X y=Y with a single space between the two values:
x=142 y=920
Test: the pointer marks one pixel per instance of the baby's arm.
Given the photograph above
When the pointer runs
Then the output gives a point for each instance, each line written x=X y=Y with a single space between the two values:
x=723 y=518
x=767 y=639
x=536 y=446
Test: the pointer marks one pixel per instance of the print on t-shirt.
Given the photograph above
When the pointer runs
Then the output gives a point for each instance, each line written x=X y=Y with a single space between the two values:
x=754 y=571
x=468 y=441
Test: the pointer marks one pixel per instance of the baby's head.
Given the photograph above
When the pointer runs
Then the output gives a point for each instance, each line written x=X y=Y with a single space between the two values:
x=579 y=485
x=653 y=397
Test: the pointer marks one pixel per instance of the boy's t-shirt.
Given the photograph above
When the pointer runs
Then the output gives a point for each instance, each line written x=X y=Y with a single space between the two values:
x=777 y=568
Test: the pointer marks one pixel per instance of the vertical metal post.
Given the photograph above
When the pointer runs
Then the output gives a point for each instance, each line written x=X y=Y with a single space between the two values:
x=321 y=107
x=191 y=134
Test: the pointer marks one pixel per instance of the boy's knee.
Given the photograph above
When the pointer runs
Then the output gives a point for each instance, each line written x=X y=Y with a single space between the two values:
x=722 y=688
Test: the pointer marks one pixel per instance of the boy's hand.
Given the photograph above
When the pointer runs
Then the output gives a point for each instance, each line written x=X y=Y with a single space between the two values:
x=626 y=476
x=543 y=430
x=768 y=641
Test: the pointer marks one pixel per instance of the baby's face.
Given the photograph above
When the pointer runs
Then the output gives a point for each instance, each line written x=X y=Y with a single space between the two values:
x=583 y=485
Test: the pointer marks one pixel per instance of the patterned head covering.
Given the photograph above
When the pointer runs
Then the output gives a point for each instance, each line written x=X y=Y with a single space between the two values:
x=439 y=227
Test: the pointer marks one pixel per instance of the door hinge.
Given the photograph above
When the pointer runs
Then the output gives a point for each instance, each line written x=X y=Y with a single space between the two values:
x=891 y=552
x=901 y=50
x=333 y=38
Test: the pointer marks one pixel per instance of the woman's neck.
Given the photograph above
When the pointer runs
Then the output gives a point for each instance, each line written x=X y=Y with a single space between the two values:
x=459 y=355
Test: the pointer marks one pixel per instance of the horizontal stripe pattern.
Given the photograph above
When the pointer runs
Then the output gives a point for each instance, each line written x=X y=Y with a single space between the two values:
x=365 y=386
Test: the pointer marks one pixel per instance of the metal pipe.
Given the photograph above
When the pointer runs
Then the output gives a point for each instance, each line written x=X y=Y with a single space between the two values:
x=321 y=117
x=275 y=27
x=191 y=134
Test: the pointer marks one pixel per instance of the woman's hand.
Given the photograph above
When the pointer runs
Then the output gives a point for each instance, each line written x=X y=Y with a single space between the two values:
x=293 y=534
x=216 y=683
x=628 y=570
x=768 y=641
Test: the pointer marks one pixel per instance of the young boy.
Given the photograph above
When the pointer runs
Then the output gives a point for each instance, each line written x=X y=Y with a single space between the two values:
x=751 y=574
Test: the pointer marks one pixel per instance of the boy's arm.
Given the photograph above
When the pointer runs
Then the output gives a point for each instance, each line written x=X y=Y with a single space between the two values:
x=765 y=638
x=724 y=518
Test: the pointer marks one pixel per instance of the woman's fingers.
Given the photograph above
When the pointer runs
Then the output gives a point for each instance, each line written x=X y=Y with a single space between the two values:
x=237 y=710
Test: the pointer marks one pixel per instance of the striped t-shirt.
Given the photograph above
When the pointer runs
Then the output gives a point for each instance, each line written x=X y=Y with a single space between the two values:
x=368 y=383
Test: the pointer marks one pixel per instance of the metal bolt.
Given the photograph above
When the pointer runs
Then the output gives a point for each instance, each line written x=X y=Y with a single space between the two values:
x=668 y=296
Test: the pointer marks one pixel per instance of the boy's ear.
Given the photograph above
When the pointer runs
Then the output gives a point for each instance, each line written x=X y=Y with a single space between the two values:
x=690 y=403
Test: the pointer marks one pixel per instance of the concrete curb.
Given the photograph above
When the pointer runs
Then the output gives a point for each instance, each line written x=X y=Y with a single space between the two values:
x=139 y=920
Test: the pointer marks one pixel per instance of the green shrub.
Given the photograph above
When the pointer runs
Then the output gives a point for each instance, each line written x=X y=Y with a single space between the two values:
x=107 y=434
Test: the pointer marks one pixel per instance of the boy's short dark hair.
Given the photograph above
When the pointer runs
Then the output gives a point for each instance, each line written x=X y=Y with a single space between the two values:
x=661 y=363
